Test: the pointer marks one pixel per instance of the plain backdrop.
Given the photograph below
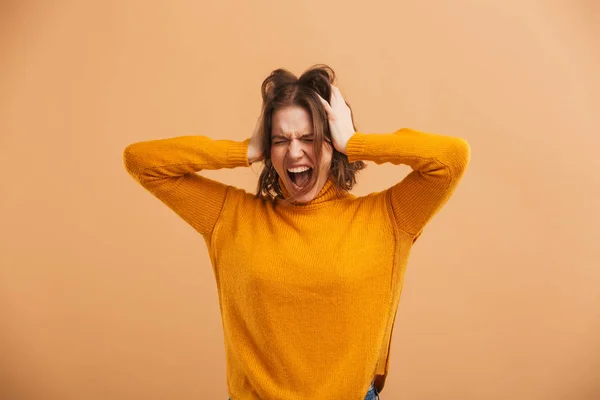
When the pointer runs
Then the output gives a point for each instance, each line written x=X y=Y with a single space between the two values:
x=105 y=293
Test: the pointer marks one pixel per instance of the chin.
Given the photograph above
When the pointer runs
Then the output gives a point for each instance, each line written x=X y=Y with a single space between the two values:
x=305 y=198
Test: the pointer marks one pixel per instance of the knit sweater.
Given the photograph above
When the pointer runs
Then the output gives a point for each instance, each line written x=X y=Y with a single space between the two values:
x=308 y=293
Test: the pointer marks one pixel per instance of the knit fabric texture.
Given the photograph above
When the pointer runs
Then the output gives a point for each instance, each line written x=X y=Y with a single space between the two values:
x=308 y=293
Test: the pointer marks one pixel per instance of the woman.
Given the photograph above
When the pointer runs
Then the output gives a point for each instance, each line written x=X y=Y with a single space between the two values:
x=308 y=275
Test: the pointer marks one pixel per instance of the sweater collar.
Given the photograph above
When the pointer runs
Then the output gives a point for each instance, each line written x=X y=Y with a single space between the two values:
x=327 y=193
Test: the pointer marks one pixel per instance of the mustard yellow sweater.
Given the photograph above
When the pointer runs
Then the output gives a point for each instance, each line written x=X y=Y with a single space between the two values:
x=308 y=293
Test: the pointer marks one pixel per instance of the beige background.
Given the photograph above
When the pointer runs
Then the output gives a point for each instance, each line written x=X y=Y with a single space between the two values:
x=106 y=294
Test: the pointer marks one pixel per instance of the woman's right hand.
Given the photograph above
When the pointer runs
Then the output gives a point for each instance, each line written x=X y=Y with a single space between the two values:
x=255 y=147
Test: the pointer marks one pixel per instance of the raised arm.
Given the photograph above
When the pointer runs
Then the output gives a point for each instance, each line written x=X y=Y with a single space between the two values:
x=438 y=164
x=166 y=168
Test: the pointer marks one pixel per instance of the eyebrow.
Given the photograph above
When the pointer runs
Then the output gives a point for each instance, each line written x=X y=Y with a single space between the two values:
x=277 y=136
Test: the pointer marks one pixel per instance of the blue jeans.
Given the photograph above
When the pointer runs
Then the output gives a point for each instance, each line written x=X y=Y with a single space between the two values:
x=372 y=393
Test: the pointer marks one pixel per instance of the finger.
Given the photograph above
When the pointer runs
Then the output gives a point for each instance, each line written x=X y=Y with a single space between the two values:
x=325 y=104
x=336 y=95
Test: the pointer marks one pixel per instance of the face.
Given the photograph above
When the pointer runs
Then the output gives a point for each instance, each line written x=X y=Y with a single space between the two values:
x=292 y=151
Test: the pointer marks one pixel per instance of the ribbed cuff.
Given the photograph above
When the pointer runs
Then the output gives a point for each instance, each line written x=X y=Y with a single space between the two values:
x=354 y=147
x=237 y=153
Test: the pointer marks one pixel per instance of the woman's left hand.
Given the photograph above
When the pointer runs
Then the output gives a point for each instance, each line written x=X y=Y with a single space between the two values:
x=340 y=119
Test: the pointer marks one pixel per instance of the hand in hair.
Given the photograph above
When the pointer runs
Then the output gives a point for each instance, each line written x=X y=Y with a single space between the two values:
x=340 y=119
x=255 y=146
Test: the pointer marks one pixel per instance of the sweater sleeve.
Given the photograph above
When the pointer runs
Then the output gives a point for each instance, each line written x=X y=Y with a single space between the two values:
x=166 y=168
x=438 y=164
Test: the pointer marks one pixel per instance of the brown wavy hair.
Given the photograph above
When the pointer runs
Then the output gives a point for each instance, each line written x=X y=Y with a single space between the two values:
x=282 y=89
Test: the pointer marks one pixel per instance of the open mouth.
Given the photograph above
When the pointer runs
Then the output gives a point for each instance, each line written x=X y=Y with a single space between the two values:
x=300 y=177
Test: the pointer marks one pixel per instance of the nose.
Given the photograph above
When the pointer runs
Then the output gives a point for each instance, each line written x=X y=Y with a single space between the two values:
x=295 y=149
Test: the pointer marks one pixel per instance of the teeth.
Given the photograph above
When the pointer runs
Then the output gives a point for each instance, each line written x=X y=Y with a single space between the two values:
x=299 y=169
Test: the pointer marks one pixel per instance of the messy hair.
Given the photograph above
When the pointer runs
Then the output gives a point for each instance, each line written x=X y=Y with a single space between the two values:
x=282 y=89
